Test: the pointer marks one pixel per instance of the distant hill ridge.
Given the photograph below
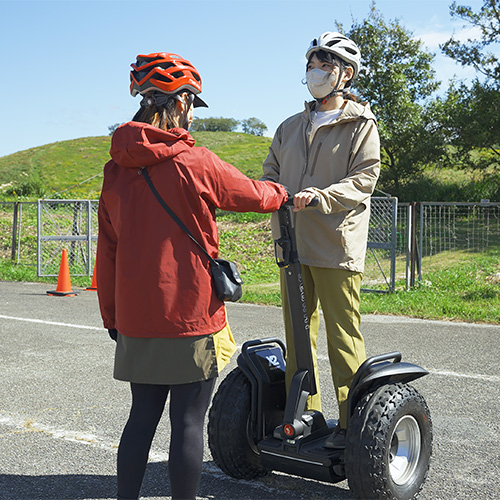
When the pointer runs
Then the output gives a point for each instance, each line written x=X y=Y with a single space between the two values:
x=74 y=167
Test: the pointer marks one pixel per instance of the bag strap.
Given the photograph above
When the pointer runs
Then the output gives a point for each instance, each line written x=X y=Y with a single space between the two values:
x=143 y=171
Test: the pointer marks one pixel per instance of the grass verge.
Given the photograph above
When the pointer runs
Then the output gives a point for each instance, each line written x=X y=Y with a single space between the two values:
x=468 y=289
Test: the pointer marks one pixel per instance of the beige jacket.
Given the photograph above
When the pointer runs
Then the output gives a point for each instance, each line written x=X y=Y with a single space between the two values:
x=341 y=166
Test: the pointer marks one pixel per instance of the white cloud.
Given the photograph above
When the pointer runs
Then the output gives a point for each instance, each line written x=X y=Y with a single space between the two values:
x=433 y=39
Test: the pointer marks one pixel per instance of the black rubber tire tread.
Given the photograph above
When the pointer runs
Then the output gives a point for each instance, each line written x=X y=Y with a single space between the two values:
x=368 y=435
x=228 y=429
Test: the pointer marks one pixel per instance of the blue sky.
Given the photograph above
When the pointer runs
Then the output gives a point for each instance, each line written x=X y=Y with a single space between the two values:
x=65 y=64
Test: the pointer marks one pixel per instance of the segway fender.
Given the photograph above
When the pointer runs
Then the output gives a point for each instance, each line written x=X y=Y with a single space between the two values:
x=378 y=371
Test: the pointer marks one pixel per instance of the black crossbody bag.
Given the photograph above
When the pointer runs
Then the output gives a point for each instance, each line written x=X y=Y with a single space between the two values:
x=225 y=276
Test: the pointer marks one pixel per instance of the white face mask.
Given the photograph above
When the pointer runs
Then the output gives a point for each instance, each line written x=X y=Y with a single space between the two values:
x=319 y=82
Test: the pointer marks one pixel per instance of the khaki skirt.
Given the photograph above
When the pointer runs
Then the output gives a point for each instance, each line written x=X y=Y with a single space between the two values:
x=172 y=361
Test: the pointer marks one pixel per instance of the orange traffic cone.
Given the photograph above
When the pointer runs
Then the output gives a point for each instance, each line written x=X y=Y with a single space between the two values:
x=93 y=286
x=64 y=280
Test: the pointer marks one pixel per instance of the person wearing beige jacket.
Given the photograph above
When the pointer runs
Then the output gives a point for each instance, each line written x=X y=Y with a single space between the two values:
x=331 y=151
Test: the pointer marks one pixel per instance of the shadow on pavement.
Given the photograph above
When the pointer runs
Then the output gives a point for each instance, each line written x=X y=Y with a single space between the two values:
x=56 y=487
x=78 y=486
x=156 y=484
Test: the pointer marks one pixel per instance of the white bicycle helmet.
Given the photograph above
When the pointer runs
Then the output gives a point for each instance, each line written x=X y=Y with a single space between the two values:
x=339 y=45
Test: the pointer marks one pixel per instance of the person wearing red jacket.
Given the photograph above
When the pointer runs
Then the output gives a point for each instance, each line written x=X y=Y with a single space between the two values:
x=154 y=284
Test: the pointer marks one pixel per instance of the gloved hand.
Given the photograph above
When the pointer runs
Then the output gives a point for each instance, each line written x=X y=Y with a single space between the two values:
x=113 y=333
x=288 y=192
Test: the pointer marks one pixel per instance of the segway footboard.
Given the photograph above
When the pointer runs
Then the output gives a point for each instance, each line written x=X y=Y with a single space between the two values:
x=305 y=457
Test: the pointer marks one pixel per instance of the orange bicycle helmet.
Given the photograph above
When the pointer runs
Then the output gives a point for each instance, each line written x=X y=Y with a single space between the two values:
x=165 y=72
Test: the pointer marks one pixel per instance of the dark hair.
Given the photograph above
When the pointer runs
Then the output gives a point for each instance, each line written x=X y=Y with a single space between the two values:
x=330 y=58
x=161 y=111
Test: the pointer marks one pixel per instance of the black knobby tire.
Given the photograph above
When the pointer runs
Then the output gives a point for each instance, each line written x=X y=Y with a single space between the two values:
x=389 y=444
x=230 y=434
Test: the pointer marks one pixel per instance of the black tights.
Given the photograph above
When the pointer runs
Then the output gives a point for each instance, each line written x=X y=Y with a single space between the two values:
x=188 y=406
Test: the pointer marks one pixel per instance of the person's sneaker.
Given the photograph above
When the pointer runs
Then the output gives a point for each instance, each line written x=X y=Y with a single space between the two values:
x=336 y=439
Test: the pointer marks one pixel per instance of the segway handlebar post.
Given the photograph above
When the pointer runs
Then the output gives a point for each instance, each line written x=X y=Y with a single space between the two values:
x=304 y=382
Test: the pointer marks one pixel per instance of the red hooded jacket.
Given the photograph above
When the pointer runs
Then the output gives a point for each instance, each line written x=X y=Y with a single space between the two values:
x=152 y=280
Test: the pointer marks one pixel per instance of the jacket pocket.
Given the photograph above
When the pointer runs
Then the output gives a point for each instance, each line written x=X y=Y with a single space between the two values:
x=353 y=230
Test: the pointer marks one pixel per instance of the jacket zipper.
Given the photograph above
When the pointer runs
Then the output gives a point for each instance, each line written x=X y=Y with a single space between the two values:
x=306 y=161
x=313 y=166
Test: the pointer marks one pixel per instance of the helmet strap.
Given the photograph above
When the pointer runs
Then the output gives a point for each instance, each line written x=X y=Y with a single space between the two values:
x=324 y=100
x=336 y=90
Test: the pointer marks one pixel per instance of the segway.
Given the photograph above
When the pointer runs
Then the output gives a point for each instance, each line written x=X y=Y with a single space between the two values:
x=254 y=428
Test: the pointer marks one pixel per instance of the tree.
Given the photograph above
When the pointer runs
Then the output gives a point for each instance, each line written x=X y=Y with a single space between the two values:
x=214 y=124
x=470 y=118
x=253 y=126
x=397 y=79
x=472 y=52
x=471 y=115
x=112 y=128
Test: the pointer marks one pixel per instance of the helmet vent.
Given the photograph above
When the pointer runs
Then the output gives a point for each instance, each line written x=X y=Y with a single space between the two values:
x=177 y=74
x=141 y=61
x=141 y=74
x=196 y=76
x=332 y=42
x=165 y=65
x=163 y=78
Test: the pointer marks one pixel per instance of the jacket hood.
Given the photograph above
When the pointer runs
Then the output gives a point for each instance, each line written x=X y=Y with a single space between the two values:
x=136 y=144
x=351 y=111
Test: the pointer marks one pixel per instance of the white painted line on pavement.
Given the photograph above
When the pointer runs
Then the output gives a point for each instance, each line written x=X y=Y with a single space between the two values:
x=446 y=373
x=28 y=425
x=55 y=323
x=486 y=378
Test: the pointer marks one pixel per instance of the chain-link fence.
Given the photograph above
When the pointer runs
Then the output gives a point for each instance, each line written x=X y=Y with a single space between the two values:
x=455 y=227
x=35 y=233
x=405 y=240
x=18 y=230
x=70 y=225
x=380 y=262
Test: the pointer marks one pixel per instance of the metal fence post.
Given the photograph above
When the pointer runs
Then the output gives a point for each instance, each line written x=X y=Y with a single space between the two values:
x=420 y=239
x=413 y=243
x=89 y=238
x=408 y=244
x=14 y=231
x=394 y=240
x=38 y=237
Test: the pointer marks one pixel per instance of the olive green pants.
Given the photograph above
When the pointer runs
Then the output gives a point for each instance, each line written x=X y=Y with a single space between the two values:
x=338 y=292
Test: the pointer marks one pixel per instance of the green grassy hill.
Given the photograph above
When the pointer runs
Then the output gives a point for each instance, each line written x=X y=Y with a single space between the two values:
x=73 y=169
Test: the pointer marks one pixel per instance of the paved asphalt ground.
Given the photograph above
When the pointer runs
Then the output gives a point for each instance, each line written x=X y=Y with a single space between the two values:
x=61 y=412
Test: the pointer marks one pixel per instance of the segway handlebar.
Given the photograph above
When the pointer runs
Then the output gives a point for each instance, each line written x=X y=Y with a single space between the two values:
x=313 y=203
x=268 y=340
